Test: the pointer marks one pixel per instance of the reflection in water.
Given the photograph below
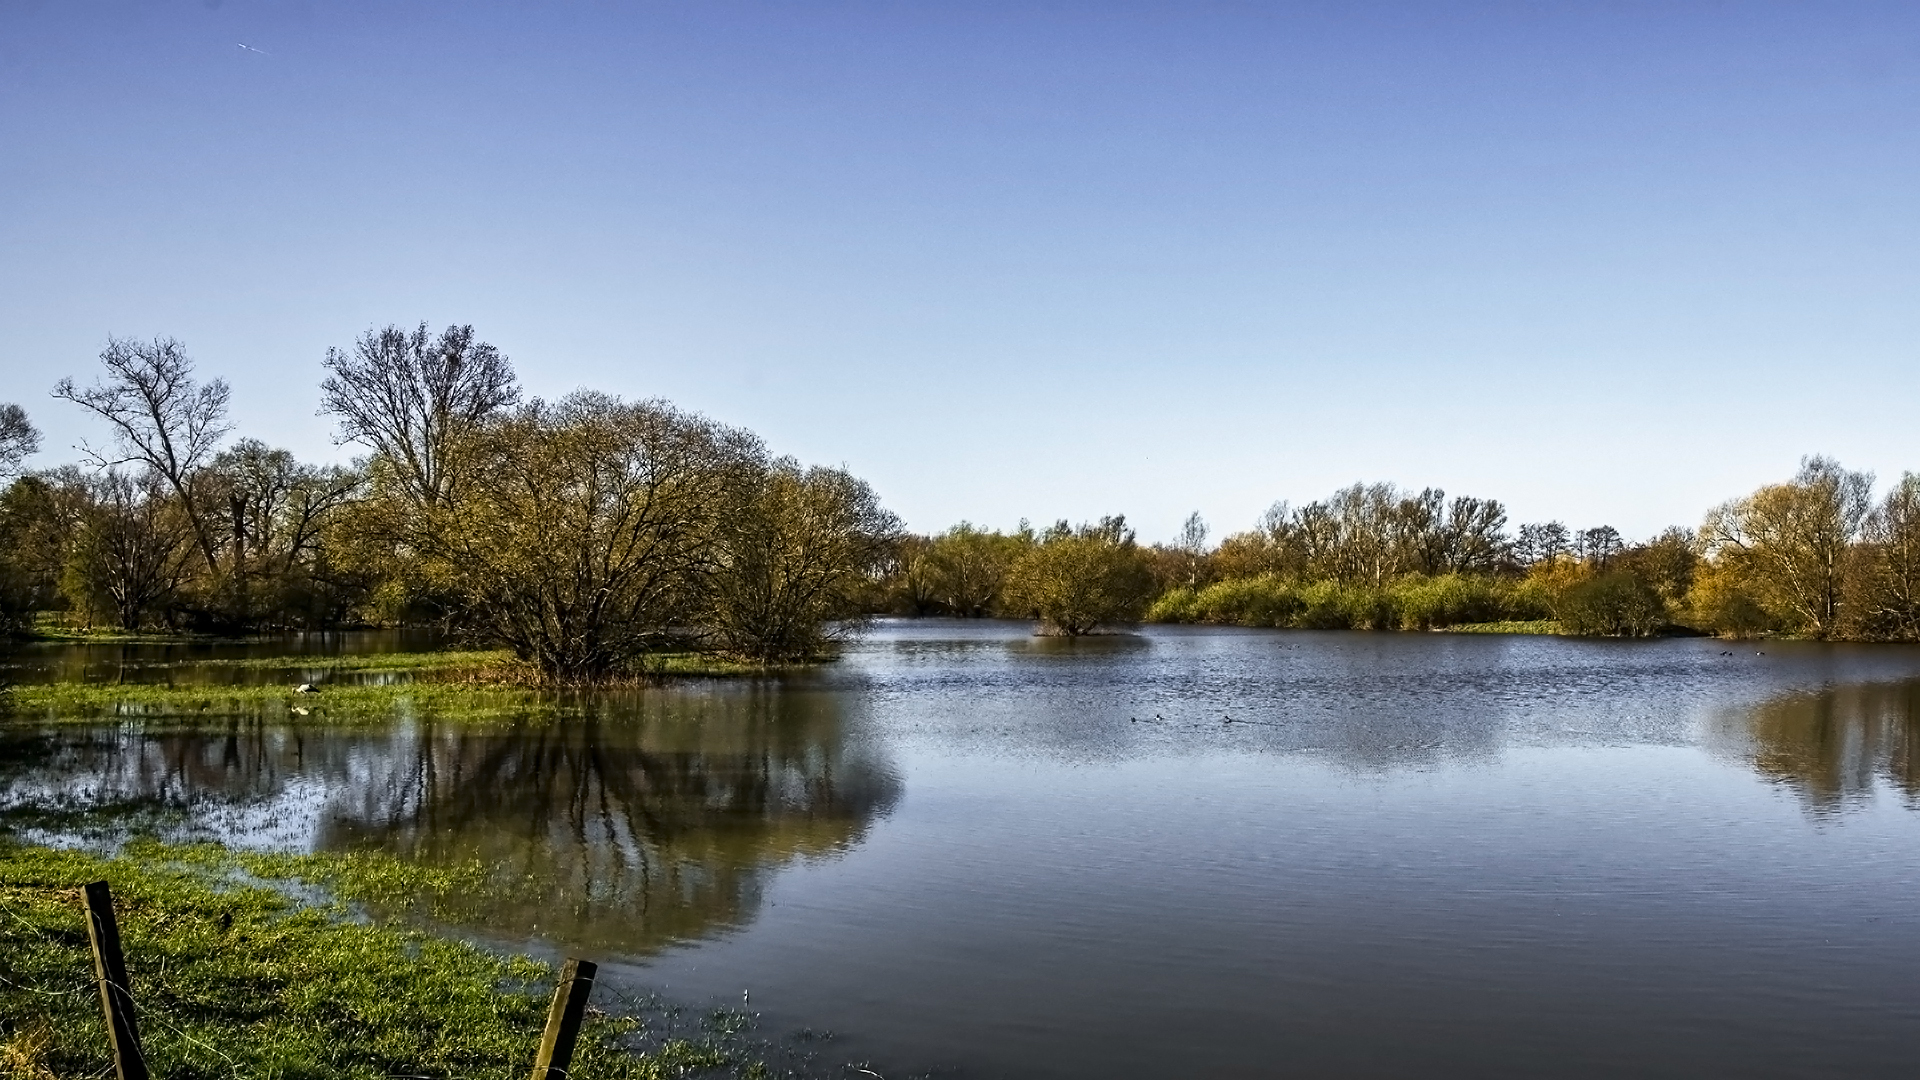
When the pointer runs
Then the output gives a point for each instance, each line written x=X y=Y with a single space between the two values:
x=647 y=820
x=1834 y=745
x=186 y=663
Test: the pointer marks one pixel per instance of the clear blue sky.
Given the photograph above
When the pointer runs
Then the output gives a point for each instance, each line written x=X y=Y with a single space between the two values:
x=1610 y=263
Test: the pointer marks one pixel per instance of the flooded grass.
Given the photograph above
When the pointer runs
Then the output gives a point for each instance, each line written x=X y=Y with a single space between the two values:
x=476 y=686
x=235 y=978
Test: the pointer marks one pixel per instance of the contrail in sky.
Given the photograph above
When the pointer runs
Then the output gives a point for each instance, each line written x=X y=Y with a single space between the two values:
x=250 y=48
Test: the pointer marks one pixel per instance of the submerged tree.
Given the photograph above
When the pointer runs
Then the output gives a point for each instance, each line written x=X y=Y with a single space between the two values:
x=796 y=562
x=1078 y=580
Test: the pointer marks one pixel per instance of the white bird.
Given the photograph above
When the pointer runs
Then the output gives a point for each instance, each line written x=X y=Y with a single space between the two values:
x=306 y=688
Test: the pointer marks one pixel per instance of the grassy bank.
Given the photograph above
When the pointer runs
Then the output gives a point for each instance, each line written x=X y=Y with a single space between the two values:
x=233 y=978
x=474 y=686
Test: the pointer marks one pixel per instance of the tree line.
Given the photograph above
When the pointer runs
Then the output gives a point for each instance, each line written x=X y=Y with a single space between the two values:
x=1815 y=556
x=591 y=533
x=584 y=534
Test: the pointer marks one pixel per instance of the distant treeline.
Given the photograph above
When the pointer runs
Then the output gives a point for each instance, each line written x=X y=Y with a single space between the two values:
x=1813 y=556
x=590 y=534
x=585 y=534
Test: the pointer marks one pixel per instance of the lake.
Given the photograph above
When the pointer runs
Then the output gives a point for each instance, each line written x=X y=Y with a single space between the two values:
x=1191 y=851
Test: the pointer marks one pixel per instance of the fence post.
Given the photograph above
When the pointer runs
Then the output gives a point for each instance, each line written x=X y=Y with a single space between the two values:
x=116 y=995
x=563 y=1020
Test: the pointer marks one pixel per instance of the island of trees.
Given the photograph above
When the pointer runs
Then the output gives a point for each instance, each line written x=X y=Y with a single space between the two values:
x=589 y=534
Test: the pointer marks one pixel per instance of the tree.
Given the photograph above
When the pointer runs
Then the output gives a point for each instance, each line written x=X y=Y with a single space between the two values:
x=967 y=568
x=796 y=563
x=276 y=510
x=1793 y=540
x=1192 y=546
x=162 y=419
x=1889 y=597
x=1611 y=604
x=1473 y=538
x=589 y=534
x=1077 y=580
x=410 y=398
x=19 y=439
x=133 y=547
x=1666 y=564
x=1542 y=542
x=1598 y=546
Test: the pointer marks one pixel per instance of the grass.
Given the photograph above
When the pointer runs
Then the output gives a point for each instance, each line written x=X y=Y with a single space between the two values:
x=335 y=704
x=1508 y=626
x=233 y=978
x=475 y=686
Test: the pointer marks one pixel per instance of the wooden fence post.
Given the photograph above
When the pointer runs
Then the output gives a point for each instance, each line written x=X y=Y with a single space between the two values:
x=116 y=995
x=563 y=1020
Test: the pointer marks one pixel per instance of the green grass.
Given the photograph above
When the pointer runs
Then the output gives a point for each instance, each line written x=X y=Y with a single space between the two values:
x=334 y=704
x=476 y=686
x=1509 y=626
x=235 y=979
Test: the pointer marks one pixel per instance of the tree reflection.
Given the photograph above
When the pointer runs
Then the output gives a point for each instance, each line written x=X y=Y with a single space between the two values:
x=1833 y=746
x=649 y=818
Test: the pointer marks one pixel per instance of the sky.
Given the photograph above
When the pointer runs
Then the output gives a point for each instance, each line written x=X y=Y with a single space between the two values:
x=1610 y=263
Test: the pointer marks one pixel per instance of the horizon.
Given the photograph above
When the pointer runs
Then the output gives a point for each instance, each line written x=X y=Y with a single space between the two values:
x=1608 y=267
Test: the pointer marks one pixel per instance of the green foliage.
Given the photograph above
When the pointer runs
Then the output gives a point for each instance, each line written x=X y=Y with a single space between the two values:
x=796 y=563
x=1078 y=580
x=1411 y=603
x=1614 y=604
x=966 y=568
x=234 y=979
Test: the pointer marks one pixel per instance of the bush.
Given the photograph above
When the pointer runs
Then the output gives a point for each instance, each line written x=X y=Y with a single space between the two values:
x=1611 y=605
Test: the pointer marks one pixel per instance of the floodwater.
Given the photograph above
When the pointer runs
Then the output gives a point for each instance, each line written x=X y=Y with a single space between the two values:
x=1187 y=852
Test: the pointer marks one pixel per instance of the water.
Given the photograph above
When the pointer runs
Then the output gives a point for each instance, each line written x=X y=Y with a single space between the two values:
x=970 y=851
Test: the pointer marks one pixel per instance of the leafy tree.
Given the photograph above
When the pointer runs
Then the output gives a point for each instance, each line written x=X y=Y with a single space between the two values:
x=277 y=511
x=19 y=439
x=1611 y=604
x=1889 y=594
x=1077 y=580
x=133 y=548
x=796 y=562
x=967 y=568
x=1792 y=541
x=1665 y=563
x=589 y=534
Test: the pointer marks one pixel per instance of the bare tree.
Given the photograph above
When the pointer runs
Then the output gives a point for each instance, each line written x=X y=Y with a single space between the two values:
x=1598 y=546
x=19 y=439
x=410 y=396
x=1542 y=542
x=1192 y=547
x=162 y=419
